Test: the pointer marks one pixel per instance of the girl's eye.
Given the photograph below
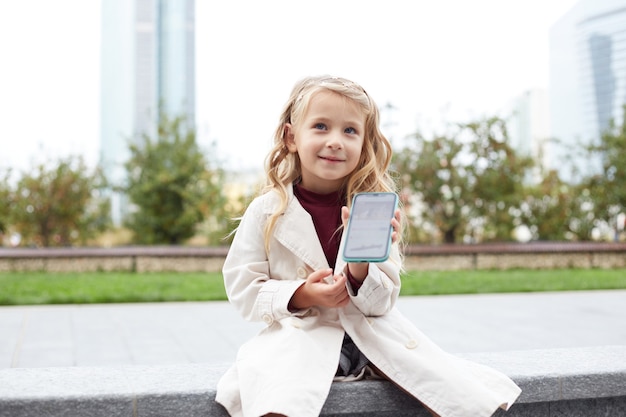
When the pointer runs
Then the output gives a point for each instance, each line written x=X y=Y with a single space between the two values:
x=320 y=126
x=350 y=130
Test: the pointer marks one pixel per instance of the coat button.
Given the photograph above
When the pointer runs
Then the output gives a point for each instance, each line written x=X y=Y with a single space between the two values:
x=267 y=319
x=411 y=344
x=301 y=272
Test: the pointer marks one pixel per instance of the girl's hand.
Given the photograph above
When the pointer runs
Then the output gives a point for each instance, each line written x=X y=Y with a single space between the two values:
x=317 y=292
x=395 y=223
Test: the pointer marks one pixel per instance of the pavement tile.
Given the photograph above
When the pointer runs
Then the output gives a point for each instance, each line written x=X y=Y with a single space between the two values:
x=211 y=332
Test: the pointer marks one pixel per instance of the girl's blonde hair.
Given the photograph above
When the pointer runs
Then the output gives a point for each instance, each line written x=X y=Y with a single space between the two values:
x=283 y=167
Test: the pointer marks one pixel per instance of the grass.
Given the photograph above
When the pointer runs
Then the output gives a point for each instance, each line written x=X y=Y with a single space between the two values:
x=516 y=280
x=22 y=288
x=108 y=287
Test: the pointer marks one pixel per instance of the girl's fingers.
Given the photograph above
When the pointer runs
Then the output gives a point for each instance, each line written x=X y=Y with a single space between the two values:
x=395 y=223
x=319 y=275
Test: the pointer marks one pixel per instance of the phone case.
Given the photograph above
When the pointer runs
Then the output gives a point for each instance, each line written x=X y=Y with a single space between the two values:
x=366 y=232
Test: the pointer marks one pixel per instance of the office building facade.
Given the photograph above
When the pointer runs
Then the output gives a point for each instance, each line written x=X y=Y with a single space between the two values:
x=587 y=80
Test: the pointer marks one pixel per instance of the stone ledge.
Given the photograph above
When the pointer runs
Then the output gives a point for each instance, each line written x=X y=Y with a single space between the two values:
x=502 y=256
x=573 y=382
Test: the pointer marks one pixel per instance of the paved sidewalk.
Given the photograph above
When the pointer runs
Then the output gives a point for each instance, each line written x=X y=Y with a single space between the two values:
x=211 y=332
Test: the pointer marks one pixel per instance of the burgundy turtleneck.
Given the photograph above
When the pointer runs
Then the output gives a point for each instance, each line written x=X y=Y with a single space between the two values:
x=325 y=210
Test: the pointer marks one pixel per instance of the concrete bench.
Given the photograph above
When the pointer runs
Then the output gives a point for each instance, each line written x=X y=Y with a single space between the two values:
x=557 y=382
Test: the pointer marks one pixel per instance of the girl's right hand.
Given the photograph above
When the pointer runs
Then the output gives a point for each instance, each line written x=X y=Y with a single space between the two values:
x=317 y=292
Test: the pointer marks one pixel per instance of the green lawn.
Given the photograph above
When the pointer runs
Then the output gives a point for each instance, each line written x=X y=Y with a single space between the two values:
x=515 y=280
x=114 y=287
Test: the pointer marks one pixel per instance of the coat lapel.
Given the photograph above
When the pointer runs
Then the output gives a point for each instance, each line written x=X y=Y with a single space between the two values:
x=296 y=232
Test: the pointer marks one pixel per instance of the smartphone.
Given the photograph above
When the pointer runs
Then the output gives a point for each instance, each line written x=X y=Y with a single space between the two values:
x=369 y=228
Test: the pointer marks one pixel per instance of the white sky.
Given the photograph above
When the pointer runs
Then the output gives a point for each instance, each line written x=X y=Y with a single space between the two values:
x=432 y=60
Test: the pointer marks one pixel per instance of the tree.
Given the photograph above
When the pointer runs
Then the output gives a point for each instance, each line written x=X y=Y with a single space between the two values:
x=60 y=204
x=468 y=180
x=496 y=174
x=607 y=188
x=434 y=171
x=547 y=209
x=5 y=202
x=170 y=184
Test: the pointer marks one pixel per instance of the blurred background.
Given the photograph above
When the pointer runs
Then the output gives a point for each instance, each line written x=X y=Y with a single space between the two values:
x=147 y=121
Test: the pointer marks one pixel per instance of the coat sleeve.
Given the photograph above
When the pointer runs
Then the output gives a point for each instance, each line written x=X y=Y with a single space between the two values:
x=381 y=287
x=246 y=273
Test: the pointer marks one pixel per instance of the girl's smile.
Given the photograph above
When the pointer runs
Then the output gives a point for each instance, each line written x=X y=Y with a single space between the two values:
x=332 y=159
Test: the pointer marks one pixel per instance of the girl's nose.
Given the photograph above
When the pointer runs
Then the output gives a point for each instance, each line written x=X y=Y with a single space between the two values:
x=334 y=141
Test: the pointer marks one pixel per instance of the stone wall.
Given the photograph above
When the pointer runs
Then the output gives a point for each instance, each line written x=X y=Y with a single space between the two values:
x=211 y=259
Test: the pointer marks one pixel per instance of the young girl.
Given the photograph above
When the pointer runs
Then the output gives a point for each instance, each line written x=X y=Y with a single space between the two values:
x=328 y=320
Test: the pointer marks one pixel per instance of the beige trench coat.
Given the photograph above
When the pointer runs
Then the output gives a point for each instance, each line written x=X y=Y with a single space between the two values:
x=289 y=366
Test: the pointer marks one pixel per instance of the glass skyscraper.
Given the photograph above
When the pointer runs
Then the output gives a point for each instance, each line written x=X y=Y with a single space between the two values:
x=148 y=60
x=587 y=78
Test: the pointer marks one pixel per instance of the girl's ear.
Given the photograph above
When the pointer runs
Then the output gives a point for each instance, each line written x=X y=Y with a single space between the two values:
x=289 y=138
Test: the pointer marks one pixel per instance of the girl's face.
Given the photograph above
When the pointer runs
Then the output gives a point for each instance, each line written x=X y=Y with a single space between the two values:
x=328 y=140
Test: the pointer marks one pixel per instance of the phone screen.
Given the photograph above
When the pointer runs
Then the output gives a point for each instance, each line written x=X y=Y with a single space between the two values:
x=369 y=228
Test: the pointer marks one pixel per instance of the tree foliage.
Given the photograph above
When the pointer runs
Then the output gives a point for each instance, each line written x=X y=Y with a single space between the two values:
x=59 y=204
x=468 y=180
x=607 y=189
x=496 y=174
x=5 y=201
x=170 y=184
x=433 y=171
x=466 y=184
x=547 y=208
